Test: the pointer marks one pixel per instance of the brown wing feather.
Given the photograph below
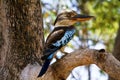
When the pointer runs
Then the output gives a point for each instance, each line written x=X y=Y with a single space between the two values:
x=54 y=36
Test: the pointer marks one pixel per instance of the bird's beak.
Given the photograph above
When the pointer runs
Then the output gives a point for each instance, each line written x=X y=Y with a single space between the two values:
x=81 y=18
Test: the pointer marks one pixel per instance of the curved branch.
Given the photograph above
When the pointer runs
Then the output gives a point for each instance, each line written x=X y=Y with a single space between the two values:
x=62 y=68
x=102 y=59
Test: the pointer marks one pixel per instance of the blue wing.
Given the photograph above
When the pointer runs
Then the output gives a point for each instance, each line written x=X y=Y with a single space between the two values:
x=65 y=39
x=58 y=38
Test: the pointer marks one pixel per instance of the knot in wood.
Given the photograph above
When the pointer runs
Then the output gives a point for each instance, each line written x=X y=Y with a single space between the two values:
x=101 y=56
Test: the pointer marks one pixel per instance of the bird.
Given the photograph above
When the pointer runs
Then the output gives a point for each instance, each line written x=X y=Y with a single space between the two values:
x=62 y=33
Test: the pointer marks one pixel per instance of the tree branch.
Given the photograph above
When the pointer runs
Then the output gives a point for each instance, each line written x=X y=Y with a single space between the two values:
x=62 y=68
x=102 y=59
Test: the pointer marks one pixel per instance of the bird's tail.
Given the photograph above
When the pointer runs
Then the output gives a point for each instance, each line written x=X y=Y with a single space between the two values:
x=44 y=67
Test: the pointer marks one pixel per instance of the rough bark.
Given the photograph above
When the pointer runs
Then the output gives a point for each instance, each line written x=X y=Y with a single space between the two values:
x=106 y=61
x=21 y=35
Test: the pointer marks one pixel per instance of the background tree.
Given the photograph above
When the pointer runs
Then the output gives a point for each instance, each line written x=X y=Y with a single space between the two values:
x=116 y=50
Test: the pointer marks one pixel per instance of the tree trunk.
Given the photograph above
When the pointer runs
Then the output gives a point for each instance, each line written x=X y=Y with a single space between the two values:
x=116 y=50
x=21 y=36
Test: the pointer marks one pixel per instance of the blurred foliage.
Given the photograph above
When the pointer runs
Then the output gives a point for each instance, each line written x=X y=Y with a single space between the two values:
x=107 y=20
x=102 y=29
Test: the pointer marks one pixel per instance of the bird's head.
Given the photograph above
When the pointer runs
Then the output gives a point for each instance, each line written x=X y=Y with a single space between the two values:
x=70 y=17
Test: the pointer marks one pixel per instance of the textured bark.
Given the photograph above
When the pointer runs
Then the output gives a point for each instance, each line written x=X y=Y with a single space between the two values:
x=21 y=36
x=106 y=61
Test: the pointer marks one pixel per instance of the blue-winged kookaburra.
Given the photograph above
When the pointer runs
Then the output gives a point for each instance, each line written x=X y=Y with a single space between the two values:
x=61 y=35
